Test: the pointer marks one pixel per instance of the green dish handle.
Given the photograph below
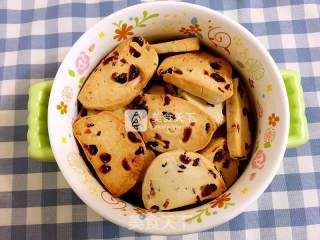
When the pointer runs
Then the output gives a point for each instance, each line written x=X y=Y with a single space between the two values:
x=38 y=138
x=298 y=132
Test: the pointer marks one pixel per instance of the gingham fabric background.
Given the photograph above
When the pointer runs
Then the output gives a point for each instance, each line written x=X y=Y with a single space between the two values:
x=35 y=200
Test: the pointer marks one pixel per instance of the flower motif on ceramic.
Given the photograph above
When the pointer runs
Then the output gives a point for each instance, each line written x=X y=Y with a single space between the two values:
x=273 y=119
x=219 y=38
x=67 y=93
x=193 y=30
x=76 y=162
x=141 y=22
x=101 y=35
x=198 y=216
x=244 y=190
x=258 y=160
x=63 y=140
x=269 y=87
x=125 y=30
x=252 y=176
x=222 y=201
x=95 y=190
x=92 y=47
x=81 y=81
x=256 y=145
x=82 y=62
x=115 y=202
x=269 y=136
x=62 y=108
x=254 y=68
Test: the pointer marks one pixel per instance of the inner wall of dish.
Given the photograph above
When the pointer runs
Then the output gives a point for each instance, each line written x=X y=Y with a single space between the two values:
x=207 y=47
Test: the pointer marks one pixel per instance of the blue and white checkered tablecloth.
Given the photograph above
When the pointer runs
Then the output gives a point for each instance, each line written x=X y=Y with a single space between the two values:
x=35 y=200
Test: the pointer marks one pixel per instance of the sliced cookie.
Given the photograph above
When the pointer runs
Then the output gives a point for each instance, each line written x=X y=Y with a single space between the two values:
x=183 y=45
x=214 y=111
x=165 y=89
x=178 y=178
x=116 y=155
x=238 y=130
x=217 y=152
x=200 y=74
x=85 y=112
x=174 y=123
x=149 y=156
x=120 y=76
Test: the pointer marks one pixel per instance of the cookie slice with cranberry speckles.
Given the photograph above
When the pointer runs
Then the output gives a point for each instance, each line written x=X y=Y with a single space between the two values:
x=215 y=111
x=217 y=152
x=120 y=76
x=116 y=155
x=238 y=130
x=174 y=123
x=182 y=45
x=200 y=74
x=178 y=178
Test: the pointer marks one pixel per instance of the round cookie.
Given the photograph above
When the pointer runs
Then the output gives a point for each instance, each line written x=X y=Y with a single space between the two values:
x=174 y=123
x=117 y=156
x=120 y=76
x=200 y=74
x=178 y=178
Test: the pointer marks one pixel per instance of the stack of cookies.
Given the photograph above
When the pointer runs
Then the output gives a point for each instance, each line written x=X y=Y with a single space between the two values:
x=197 y=122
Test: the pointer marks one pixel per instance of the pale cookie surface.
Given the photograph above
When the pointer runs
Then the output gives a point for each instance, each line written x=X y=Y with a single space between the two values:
x=217 y=153
x=238 y=130
x=166 y=88
x=120 y=76
x=214 y=111
x=200 y=74
x=117 y=156
x=183 y=45
x=178 y=178
x=174 y=123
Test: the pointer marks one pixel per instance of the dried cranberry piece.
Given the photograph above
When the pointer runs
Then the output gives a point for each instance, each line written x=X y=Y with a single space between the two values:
x=138 y=40
x=133 y=72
